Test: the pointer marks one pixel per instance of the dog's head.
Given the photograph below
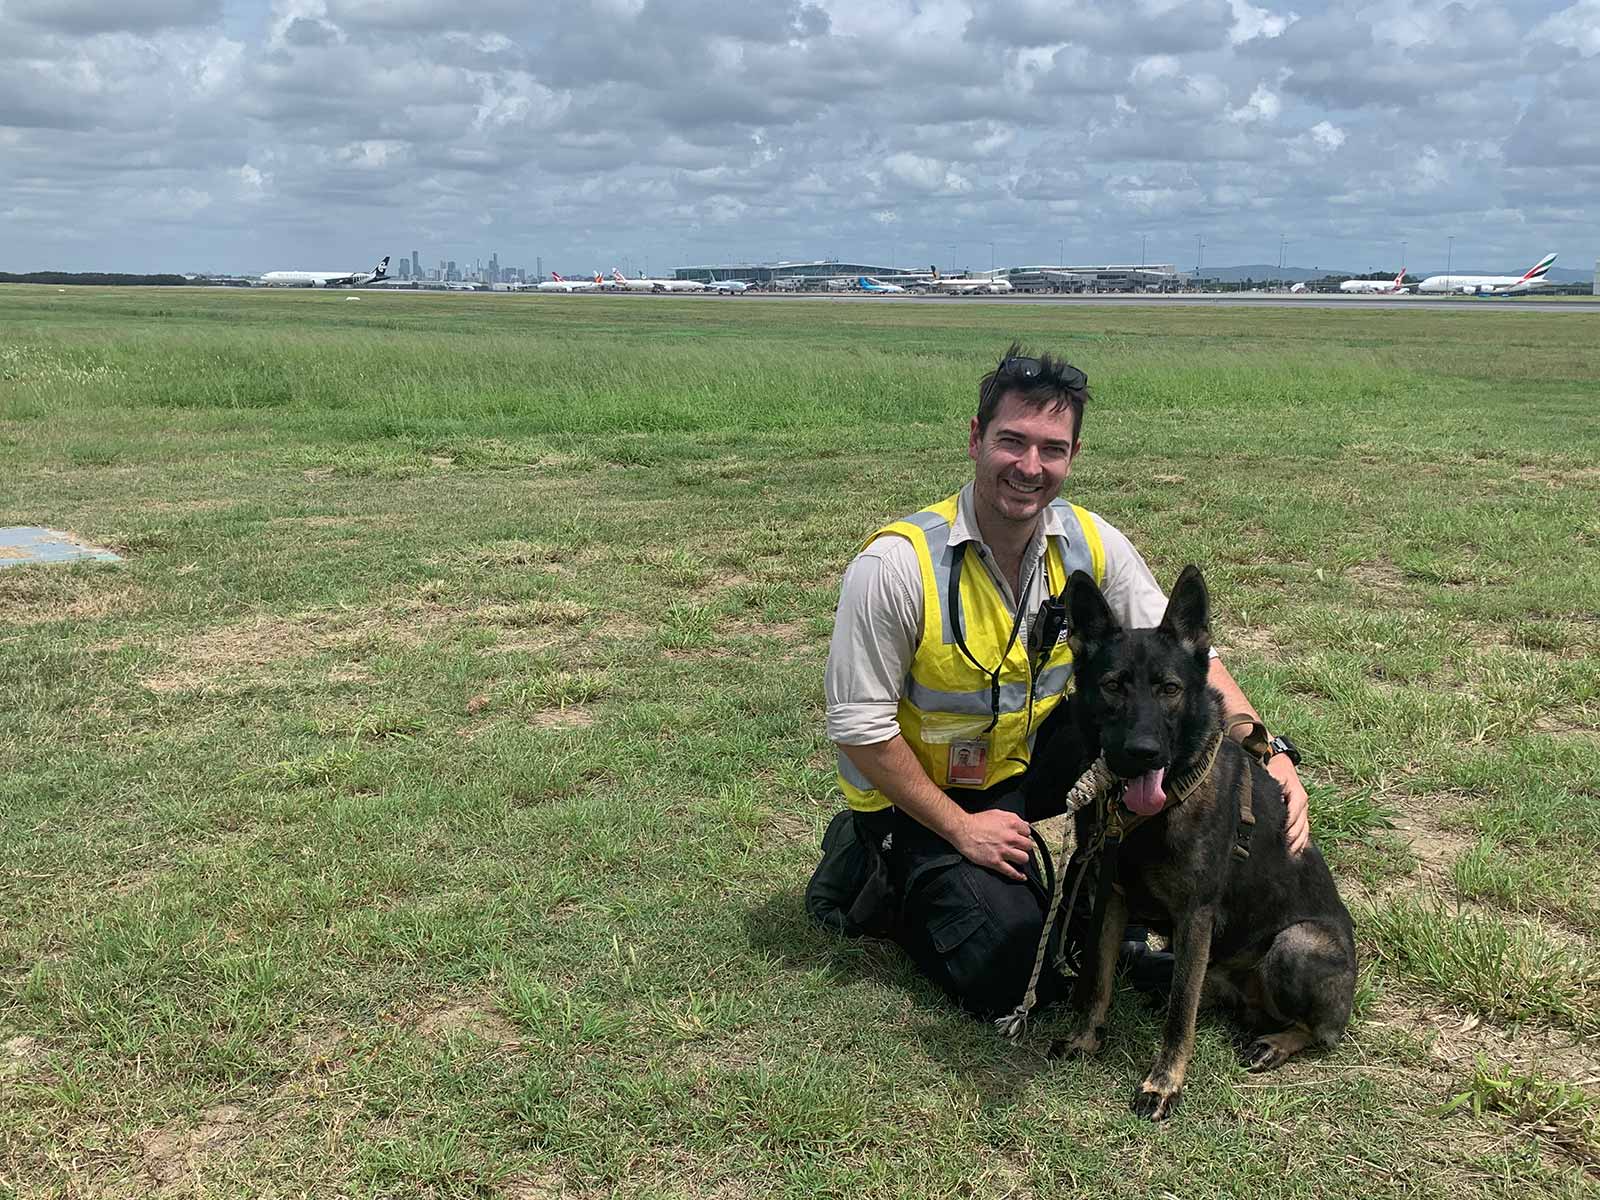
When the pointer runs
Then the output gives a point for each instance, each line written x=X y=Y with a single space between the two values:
x=1144 y=690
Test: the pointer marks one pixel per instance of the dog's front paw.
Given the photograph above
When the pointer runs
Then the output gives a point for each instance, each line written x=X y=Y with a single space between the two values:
x=1264 y=1054
x=1156 y=1103
x=1083 y=1044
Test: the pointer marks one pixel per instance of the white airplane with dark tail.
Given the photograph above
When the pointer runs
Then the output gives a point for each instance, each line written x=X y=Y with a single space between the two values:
x=325 y=279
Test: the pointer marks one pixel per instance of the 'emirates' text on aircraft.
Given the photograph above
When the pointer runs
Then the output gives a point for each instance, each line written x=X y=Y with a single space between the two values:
x=1492 y=285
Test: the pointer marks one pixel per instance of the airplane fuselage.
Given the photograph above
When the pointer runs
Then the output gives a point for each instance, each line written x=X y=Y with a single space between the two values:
x=323 y=279
x=1481 y=285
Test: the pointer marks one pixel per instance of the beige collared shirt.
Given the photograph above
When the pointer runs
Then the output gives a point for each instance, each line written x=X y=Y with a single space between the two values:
x=879 y=621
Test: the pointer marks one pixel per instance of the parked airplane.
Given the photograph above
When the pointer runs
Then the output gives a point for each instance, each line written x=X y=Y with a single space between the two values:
x=968 y=286
x=317 y=279
x=557 y=284
x=1492 y=285
x=620 y=280
x=1376 y=286
x=731 y=286
x=867 y=284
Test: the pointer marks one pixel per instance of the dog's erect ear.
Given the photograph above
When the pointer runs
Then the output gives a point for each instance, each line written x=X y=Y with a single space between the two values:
x=1188 y=617
x=1089 y=619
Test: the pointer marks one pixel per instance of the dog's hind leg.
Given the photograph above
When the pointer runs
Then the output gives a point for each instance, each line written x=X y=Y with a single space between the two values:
x=1158 y=1096
x=1306 y=983
x=1091 y=1033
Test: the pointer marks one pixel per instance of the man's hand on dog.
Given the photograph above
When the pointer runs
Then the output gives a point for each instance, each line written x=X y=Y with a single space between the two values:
x=1297 y=827
x=996 y=839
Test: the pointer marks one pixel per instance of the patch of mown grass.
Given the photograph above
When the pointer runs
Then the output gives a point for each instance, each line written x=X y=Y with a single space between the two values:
x=1484 y=964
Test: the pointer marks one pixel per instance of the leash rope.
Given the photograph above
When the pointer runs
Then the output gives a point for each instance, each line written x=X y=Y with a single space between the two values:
x=1096 y=782
x=1090 y=786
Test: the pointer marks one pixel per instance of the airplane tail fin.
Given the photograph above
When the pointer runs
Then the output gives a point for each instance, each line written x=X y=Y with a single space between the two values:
x=1539 y=269
x=555 y=276
x=598 y=279
x=863 y=282
x=618 y=275
x=382 y=269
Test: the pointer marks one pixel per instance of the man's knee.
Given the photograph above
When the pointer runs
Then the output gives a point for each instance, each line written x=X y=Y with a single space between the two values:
x=975 y=934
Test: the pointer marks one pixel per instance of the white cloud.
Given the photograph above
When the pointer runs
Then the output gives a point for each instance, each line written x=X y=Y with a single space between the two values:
x=1263 y=105
x=1328 y=135
x=1252 y=22
x=1577 y=28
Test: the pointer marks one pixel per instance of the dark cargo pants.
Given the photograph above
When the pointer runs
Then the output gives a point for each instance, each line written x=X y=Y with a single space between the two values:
x=970 y=930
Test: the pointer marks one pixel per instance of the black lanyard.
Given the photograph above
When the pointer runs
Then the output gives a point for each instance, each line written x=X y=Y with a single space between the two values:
x=953 y=605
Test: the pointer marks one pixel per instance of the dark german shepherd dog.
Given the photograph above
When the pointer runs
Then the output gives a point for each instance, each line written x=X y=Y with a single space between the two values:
x=1255 y=929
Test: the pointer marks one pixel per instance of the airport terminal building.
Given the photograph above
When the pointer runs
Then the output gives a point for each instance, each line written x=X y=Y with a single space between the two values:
x=821 y=274
x=811 y=273
x=1146 y=277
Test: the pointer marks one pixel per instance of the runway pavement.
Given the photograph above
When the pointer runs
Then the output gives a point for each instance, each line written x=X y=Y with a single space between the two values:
x=1205 y=300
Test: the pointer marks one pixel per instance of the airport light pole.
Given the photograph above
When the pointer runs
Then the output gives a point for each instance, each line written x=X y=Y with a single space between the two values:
x=952 y=256
x=1449 y=257
x=1142 y=238
x=991 y=258
x=1061 y=252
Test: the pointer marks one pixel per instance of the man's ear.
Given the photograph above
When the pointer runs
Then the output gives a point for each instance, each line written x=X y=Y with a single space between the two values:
x=1188 y=617
x=1089 y=619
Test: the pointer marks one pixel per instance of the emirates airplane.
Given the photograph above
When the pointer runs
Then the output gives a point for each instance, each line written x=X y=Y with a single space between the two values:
x=1492 y=285
x=323 y=279
x=1377 y=286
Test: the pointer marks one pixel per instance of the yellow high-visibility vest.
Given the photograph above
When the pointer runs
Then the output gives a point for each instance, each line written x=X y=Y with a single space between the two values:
x=948 y=705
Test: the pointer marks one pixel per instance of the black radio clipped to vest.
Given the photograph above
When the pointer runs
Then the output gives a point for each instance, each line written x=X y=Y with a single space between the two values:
x=1047 y=627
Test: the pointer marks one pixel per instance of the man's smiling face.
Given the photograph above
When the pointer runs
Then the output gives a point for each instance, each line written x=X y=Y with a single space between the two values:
x=1022 y=459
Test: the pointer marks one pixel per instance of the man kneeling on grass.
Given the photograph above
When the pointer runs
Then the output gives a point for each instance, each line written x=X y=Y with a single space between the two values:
x=936 y=692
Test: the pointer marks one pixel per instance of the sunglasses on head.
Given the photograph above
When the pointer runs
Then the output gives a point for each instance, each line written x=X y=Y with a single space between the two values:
x=1019 y=366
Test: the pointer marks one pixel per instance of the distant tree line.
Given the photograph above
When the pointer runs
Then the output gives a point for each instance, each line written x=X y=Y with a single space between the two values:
x=97 y=278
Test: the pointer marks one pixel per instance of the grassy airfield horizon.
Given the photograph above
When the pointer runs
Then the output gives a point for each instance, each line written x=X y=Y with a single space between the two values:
x=423 y=807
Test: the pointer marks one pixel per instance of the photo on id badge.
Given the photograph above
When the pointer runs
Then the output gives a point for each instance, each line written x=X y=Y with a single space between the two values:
x=969 y=763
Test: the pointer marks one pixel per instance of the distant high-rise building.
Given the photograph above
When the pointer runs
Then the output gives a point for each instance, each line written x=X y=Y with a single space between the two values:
x=416 y=266
x=494 y=267
x=1596 y=288
x=450 y=272
x=405 y=269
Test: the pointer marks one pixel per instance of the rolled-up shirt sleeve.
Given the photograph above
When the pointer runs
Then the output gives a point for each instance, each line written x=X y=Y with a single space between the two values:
x=1136 y=600
x=875 y=635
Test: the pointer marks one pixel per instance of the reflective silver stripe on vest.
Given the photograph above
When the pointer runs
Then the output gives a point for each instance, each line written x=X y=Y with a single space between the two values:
x=936 y=532
x=1013 y=698
x=848 y=773
x=1054 y=681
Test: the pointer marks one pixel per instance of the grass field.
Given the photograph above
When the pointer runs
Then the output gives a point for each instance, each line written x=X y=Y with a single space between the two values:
x=423 y=808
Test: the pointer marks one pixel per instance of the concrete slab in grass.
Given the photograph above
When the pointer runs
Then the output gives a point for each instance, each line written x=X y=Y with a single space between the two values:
x=22 y=544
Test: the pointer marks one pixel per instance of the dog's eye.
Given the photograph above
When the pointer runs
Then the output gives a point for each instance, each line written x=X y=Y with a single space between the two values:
x=1171 y=689
x=1111 y=687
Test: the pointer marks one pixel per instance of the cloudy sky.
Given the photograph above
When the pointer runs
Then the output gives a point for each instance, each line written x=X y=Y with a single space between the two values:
x=242 y=135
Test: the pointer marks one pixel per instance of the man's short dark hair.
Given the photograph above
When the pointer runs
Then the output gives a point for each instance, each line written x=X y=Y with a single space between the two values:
x=1043 y=382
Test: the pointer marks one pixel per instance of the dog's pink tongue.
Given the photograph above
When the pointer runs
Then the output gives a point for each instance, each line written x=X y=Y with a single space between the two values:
x=1143 y=795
